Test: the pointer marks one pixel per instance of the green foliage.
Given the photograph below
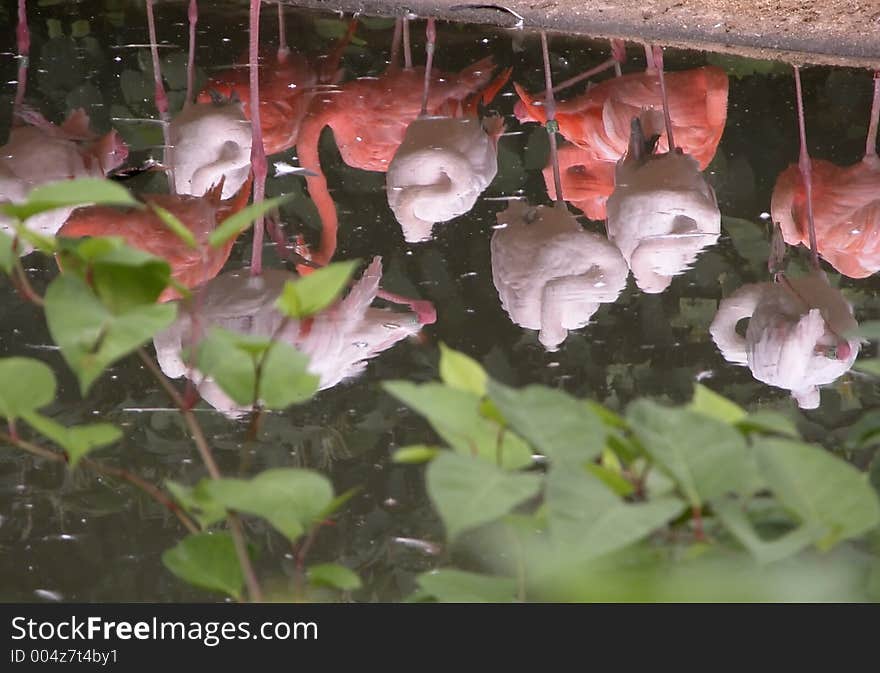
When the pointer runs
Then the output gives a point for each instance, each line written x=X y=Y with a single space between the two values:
x=205 y=509
x=313 y=293
x=235 y=224
x=333 y=575
x=91 y=337
x=415 y=454
x=174 y=225
x=25 y=385
x=76 y=441
x=456 y=586
x=469 y=492
x=459 y=371
x=8 y=253
x=207 y=560
x=291 y=500
x=251 y=369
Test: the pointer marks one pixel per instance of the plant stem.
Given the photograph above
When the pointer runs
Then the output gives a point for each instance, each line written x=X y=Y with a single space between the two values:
x=256 y=593
x=108 y=470
x=23 y=284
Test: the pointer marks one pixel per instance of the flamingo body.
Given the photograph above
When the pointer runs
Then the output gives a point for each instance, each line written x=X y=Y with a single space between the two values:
x=210 y=142
x=440 y=169
x=846 y=213
x=550 y=274
x=661 y=215
x=794 y=337
x=339 y=341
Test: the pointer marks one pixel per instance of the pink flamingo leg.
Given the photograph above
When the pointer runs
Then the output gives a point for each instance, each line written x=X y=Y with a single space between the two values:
x=283 y=49
x=805 y=166
x=161 y=98
x=552 y=126
x=424 y=310
x=871 y=141
x=658 y=60
x=618 y=56
x=23 y=38
x=258 y=152
x=193 y=17
x=431 y=35
x=395 y=45
x=650 y=65
x=407 y=49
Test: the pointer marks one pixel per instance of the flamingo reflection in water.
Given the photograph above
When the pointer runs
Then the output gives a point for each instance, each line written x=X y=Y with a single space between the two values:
x=39 y=151
x=369 y=117
x=599 y=122
x=845 y=203
x=799 y=332
x=550 y=273
x=443 y=164
x=339 y=340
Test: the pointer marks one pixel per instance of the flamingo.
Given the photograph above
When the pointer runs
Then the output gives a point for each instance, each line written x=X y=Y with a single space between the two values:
x=288 y=83
x=551 y=274
x=662 y=212
x=39 y=151
x=209 y=141
x=442 y=166
x=796 y=338
x=369 y=118
x=597 y=122
x=339 y=341
x=846 y=206
x=144 y=229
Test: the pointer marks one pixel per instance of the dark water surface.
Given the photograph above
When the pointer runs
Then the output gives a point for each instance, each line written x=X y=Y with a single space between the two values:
x=75 y=536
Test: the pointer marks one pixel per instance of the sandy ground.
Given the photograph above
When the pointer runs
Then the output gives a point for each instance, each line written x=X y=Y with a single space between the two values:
x=836 y=32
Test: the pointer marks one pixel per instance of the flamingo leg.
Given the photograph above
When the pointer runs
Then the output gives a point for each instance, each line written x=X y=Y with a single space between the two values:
x=650 y=65
x=871 y=141
x=161 y=98
x=424 y=309
x=552 y=126
x=618 y=56
x=407 y=48
x=658 y=60
x=805 y=166
x=395 y=45
x=23 y=39
x=258 y=152
x=431 y=36
x=193 y=17
x=283 y=49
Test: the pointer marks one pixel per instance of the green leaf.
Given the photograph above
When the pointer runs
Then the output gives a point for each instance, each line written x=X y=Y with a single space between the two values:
x=8 y=255
x=333 y=575
x=25 y=384
x=205 y=510
x=819 y=488
x=289 y=499
x=469 y=492
x=64 y=193
x=770 y=423
x=735 y=520
x=177 y=227
x=207 y=560
x=413 y=455
x=587 y=520
x=455 y=416
x=236 y=224
x=231 y=359
x=316 y=291
x=448 y=585
x=77 y=441
x=123 y=277
x=611 y=479
x=90 y=337
x=706 y=457
x=711 y=404
x=558 y=425
x=457 y=370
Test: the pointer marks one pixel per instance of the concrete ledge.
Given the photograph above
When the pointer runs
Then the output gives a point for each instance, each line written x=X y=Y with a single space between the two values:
x=829 y=32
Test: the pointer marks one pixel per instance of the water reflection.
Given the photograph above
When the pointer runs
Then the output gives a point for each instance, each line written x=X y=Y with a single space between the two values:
x=550 y=272
x=339 y=341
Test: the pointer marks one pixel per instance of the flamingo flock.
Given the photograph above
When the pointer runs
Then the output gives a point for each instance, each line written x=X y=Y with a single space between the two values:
x=629 y=153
